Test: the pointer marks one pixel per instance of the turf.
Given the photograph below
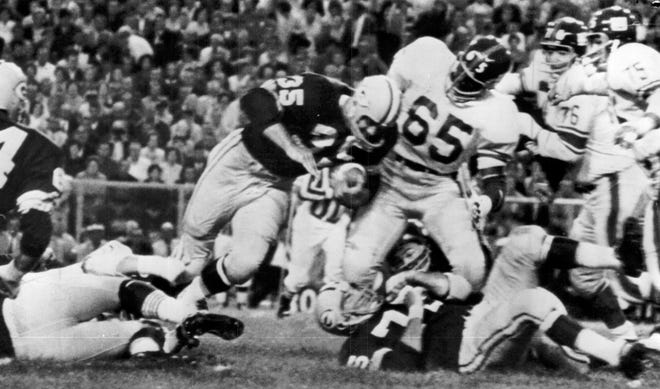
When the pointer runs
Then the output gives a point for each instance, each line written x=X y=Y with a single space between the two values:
x=289 y=353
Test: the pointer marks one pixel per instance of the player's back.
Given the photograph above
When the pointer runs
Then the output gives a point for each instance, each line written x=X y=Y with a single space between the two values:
x=633 y=71
x=308 y=107
x=27 y=162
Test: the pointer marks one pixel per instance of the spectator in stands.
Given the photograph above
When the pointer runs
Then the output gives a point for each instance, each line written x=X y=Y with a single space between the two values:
x=166 y=241
x=107 y=166
x=151 y=151
x=172 y=166
x=74 y=158
x=91 y=239
x=138 y=164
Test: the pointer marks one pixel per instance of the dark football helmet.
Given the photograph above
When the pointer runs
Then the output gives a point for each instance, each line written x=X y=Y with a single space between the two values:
x=566 y=33
x=478 y=69
x=609 y=28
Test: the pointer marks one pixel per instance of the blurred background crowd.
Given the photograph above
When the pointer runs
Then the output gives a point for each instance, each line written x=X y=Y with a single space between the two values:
x=141 y=90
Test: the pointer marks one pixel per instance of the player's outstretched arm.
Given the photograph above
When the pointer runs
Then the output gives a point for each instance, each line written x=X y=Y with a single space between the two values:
x=294 y=150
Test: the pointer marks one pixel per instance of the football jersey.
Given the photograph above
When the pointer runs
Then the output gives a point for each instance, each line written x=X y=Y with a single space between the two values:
x=317 y=196
x=436 y=133
x=307 y=105
x=28 y=162
x=376 y=344
x=633 y=72
x=586 y=125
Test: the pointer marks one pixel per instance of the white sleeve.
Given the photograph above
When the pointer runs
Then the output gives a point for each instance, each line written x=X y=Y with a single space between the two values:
x=549 y=143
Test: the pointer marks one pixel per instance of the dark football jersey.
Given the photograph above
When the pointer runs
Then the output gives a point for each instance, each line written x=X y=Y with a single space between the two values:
x=27 y=162
x=442 y=337
x=307 y=105
x=376 y=344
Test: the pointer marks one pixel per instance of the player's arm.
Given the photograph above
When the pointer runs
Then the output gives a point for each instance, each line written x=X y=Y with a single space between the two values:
x=441 y=286
x=564 y=145
x=510 y=84
x=262 y=111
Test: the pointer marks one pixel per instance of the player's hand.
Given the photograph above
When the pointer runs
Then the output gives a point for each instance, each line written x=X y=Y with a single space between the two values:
x=481 y=206
x=625 y=136
x=395 y=287
x=305 y=157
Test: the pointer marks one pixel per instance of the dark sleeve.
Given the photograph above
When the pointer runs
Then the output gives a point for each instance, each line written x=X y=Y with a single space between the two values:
x=494 y=186
x=38 y=175
x=260 y=107
x=36 y=227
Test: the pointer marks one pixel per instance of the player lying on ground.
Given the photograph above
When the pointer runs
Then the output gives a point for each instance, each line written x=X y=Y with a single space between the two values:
x=30 y=177
x=294 y=122
x=52 y=318
x=467 y=338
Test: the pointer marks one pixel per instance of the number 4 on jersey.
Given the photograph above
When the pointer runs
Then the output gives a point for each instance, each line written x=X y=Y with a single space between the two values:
x=11 y=140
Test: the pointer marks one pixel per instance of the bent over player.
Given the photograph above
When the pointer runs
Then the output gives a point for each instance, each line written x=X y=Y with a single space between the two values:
x=293 y=122
x=496 y=331
x=446 y=119
x=30 y=177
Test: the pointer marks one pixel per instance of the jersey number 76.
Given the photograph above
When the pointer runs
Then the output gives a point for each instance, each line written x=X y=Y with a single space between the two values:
x=420 y=125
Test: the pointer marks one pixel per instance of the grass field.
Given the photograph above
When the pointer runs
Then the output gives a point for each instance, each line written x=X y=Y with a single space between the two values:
x=290 y=353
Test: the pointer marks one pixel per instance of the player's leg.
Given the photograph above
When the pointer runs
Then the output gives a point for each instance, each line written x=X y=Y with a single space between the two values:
x=528 y=249
x=372 y=234
x=307 y=236
x=449 y=223
x=494 y=333
x=612 y=201
x=255 y=227
x=334 y=247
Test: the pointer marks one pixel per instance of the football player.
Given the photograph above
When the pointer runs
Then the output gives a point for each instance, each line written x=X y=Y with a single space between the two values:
x=582 y=131
x=447 y=115
x=30 y=177
x=292 y=123
x=494 y=332
x=318 y=228
x=52 y=318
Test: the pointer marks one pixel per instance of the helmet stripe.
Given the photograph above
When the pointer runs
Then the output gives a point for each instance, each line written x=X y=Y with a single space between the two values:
x=391 y=100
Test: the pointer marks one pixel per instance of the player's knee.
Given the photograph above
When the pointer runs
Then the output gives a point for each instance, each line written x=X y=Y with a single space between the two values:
x=587 y=282
x=539 y=303
x=36 y=227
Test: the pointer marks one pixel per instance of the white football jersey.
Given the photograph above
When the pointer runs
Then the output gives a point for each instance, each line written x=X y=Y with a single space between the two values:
x=633 y=71
x=437 y=133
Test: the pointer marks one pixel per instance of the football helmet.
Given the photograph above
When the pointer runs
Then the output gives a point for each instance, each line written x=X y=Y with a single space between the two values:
x=565 y=39
x=411 y=253
x=13 y=86
x=478 y=69
x=372 y=110
x=609 y=28
x=342 y=307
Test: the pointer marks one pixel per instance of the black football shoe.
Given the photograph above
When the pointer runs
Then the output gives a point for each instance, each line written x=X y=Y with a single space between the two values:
x=284 y=308
x=633 y=360
x=200 y=323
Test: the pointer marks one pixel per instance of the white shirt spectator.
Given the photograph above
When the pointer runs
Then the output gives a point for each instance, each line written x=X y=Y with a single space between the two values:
x=155 y=156
x=45 y=71
x=138 y=169
x=5 y=31
x=171 y=173
x=139 y=47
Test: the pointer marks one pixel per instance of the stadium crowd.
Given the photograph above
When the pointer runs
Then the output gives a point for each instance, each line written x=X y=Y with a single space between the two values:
x=142 y=90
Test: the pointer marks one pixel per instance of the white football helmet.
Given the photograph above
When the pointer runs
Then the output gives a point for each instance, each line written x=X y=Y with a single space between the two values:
x=341 y=308
x=13 y=87
x=373 y=109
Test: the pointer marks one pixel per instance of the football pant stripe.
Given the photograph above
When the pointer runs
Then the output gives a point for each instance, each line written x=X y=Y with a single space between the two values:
x=613 y=217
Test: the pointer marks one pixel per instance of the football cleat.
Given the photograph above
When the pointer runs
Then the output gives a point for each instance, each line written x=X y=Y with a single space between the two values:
x=200 y=323
x=633 y=357
x=284 y=309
